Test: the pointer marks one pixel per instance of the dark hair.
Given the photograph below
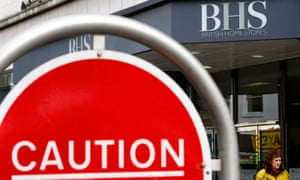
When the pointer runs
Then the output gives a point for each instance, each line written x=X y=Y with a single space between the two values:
x=274 y=153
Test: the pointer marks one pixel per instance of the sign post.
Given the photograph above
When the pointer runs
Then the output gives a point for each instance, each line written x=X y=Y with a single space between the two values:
x=190 y=66
x=118 y=117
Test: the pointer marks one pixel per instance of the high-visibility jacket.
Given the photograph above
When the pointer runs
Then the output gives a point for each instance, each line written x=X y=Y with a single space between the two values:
x=263 y=175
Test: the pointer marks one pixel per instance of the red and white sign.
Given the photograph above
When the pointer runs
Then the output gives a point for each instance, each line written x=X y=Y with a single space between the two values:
x=114 y=117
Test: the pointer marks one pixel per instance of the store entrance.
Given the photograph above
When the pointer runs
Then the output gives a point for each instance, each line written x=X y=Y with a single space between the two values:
x=265 y=104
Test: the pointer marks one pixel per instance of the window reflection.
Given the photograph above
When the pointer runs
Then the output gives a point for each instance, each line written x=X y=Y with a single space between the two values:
x=254 y=103
x=257 y=114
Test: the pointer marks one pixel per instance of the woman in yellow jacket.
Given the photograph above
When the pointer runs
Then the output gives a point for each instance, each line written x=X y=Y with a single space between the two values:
x=273 y=169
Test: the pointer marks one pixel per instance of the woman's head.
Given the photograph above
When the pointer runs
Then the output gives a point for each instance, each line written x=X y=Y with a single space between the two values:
x=273 y=159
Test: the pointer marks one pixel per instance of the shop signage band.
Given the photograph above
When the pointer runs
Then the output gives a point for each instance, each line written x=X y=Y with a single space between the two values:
x=228 y=20
x=219 y=21
x=114 y=117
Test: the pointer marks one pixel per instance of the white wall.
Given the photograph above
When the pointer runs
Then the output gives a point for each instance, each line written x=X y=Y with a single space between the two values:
x=74 y=7
x=9 y=7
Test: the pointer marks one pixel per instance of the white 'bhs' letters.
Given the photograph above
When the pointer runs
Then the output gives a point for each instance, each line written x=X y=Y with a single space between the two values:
x=52 y=148
x=225 y=20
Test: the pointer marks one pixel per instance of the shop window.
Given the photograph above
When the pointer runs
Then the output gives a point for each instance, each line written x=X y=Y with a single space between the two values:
x=6 y=79
x=293 y=115
x=258 y=93
x=257 y=114
x=224 y=83
x=6 y=83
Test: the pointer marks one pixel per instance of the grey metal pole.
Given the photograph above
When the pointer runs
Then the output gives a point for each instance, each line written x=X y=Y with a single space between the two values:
x=124 y=27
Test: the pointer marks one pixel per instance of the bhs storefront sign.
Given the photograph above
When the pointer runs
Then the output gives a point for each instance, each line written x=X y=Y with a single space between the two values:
x=234 y=18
